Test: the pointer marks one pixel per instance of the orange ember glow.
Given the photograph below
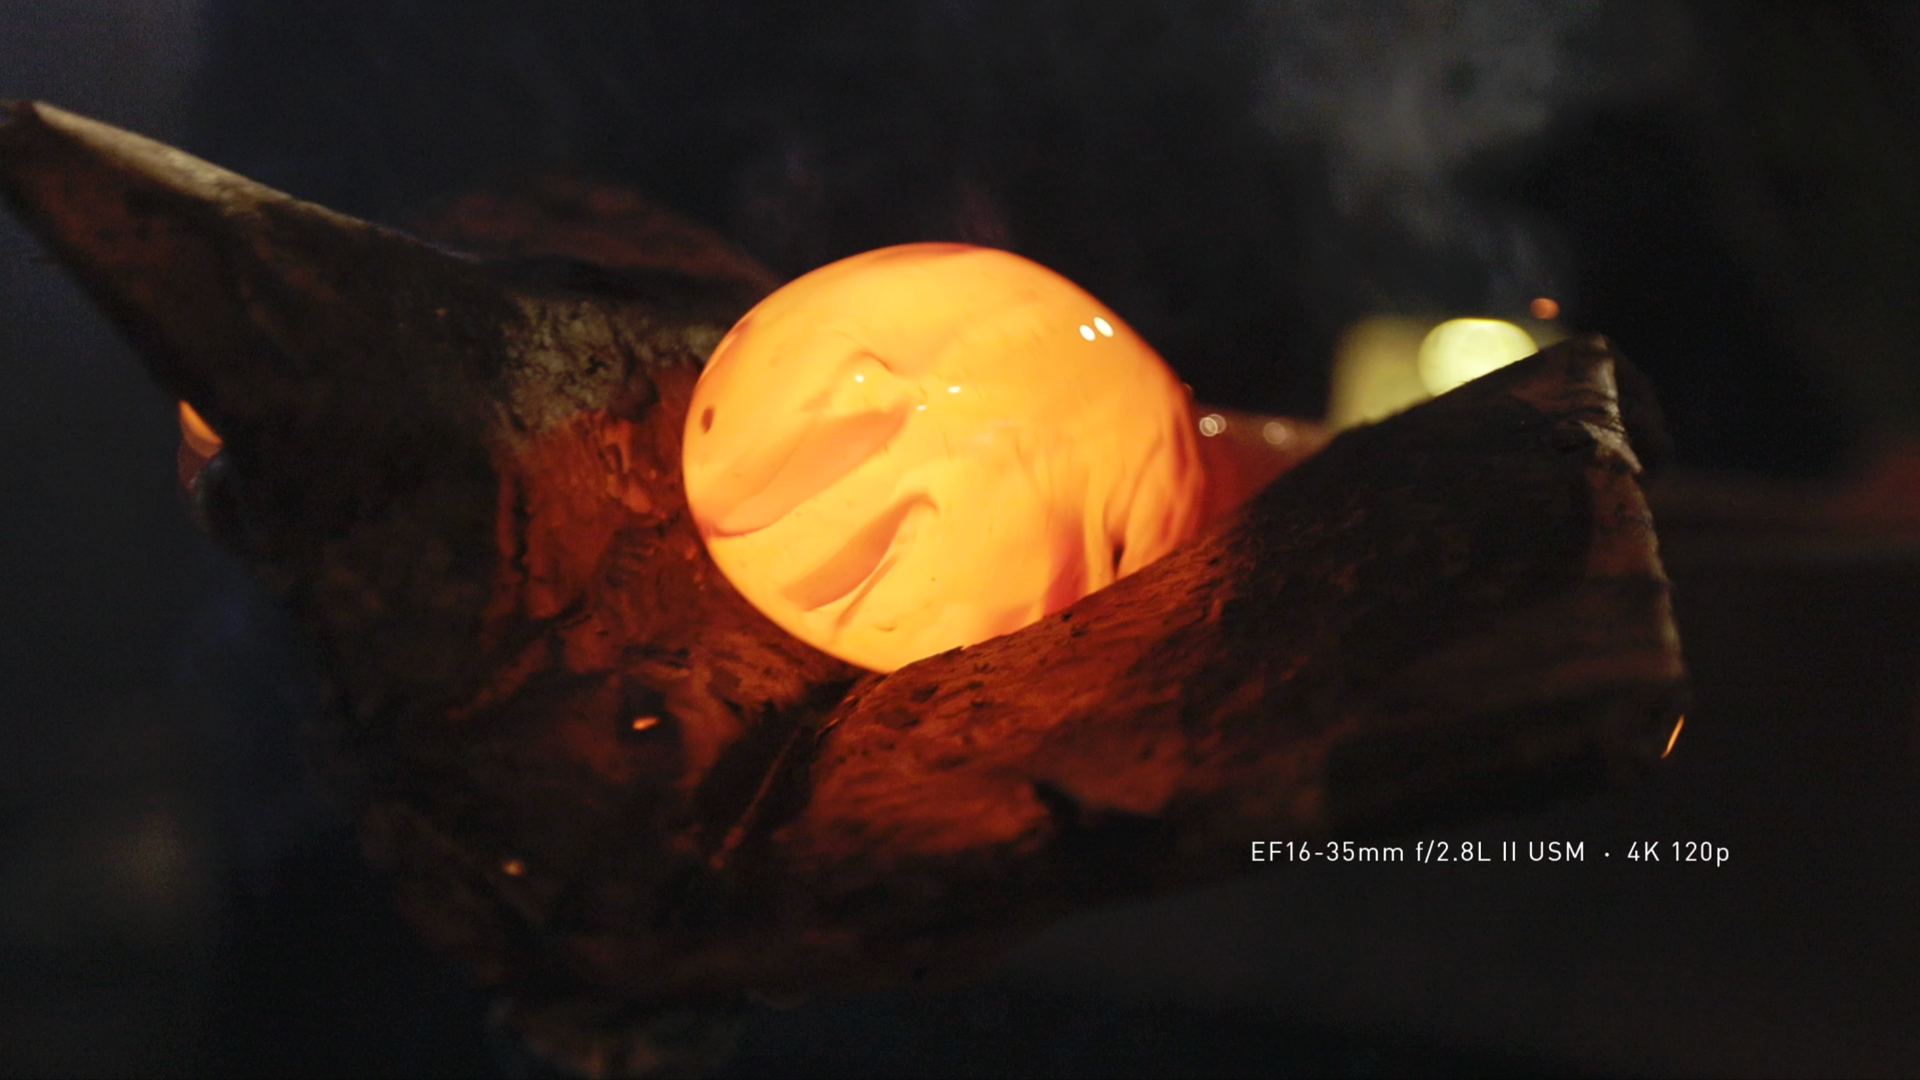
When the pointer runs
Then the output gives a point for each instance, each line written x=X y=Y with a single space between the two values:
x=198 y=443
x=1544 y=308
x=926 y=446
x=1675 y=737
x=197 y=432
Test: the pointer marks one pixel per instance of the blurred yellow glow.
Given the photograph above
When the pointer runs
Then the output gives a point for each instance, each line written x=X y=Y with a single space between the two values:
x=1459 y=351
x=1374 y=370
x=198 y=433
x=883 y=520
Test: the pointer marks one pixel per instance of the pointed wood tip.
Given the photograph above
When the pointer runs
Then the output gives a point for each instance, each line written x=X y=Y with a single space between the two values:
x=240 y=298
x=34 y=134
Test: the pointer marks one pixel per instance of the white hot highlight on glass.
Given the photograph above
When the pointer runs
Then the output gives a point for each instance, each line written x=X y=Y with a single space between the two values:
x=923 y=447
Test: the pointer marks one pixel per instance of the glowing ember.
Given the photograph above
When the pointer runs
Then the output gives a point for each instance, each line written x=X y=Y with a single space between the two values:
x=930 y=445
x=1675 y=737
x=198 y=433
x=198 y=443
x=1545 y=308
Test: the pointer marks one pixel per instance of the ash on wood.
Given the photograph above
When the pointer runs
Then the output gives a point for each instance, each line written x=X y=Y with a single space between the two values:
x=632 y=803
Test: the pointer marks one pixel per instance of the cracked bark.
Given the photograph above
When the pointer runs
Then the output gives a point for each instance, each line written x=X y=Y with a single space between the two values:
x=632 y=803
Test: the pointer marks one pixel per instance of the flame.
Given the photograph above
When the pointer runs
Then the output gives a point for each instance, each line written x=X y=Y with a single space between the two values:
x=198 y=433
x=926 y=446
x=1675 y=737
x=198 y=443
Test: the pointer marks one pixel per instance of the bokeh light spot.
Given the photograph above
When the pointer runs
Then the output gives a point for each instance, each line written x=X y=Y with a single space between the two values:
x=1459 y=351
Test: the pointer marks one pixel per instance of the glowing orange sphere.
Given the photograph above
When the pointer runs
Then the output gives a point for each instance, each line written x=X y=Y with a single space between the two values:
x=930 y=445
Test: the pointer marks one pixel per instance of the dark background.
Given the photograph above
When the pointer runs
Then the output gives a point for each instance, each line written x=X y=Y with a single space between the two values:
x=1730 y=191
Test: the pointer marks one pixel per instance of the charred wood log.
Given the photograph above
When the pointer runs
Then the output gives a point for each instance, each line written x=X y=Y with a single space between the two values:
x=632 y=803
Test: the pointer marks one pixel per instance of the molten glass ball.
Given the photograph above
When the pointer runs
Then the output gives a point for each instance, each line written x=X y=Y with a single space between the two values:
x=926 y=446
